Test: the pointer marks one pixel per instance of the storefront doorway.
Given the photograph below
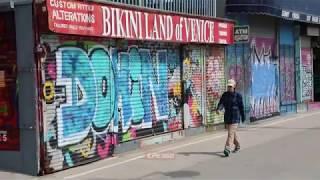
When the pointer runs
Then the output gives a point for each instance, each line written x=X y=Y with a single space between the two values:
x=316 y=73
x=9 y=127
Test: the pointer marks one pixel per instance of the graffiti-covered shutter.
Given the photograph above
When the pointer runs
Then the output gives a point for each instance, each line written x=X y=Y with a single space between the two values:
x=306 y=93
x=149 y=93
x=174 y=64
x=215 y=82
x=193 y=60
x=97 y=92
x=287 y=68
x=264 y=68
x=79 y=98
x=237 y=68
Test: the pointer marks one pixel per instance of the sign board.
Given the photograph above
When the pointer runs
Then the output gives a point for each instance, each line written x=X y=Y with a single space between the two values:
x=241 y=34
x=298 y=16
x=115 y=21
x=313 y=31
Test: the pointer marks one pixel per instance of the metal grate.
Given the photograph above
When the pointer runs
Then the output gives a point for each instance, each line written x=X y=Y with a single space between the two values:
x=193 y=7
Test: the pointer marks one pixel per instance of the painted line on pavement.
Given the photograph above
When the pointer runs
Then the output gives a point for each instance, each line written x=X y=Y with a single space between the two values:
x=217 y=136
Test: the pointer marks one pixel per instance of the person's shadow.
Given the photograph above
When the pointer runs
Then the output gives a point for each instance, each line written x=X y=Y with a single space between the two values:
x=219 y=154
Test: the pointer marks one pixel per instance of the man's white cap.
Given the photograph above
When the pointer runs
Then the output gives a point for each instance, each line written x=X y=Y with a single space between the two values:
x=231 y=83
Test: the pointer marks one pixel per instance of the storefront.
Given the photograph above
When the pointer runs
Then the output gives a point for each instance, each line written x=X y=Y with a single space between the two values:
x=255 y=66
x=112 y=74
x=9 y=126
x=287 y=81
x=316 y=73
x=310 y=54
x=18 y=115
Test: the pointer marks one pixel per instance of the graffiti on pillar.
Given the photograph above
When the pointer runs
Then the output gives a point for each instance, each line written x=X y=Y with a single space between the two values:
x=175 y=91
x=264 y=98
x=287 y=74
x=306 y=74
x=236 y=72
x=192 y=76
x=235 y=66
x=96 y=95
x=215 y=80
x=238 y=67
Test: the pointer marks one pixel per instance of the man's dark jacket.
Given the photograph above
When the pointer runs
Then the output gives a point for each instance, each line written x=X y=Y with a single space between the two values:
x=233 y=104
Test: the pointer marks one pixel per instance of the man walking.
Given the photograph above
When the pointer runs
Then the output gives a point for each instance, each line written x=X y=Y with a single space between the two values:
x=232 y=103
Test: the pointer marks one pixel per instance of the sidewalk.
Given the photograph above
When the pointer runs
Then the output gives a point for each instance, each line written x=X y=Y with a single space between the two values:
x=264 y=144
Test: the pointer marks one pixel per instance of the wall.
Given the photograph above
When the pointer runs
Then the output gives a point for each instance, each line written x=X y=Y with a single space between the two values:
x=99 y=93
x=262 y=26
x=221 y=8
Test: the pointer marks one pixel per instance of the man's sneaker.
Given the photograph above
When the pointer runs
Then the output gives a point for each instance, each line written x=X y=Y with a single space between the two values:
x=226 y=152
x=237 y=149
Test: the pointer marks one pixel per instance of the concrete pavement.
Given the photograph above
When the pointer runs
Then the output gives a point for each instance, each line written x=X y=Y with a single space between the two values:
x=281 y=148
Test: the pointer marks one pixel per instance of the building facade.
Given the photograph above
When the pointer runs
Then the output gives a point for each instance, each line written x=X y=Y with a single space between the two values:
x=278 y=63
x=82 y=79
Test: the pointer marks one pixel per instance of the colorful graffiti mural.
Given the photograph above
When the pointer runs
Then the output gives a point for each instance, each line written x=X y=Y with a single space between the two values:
x=264 y=94
x=77 y=109
x=192 y=76
x=9 y=124
x=287 y=75
x=306 y=74
x=215 y=83
x=96 y=95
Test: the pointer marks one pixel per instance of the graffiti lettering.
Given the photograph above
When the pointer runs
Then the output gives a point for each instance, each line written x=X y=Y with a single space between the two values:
x=264 y=72
x=84 y=100
x=103 y=94
x=48 y=91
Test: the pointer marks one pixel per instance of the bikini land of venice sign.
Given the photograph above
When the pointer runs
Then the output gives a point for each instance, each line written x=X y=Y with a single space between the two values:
x=103 y=20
